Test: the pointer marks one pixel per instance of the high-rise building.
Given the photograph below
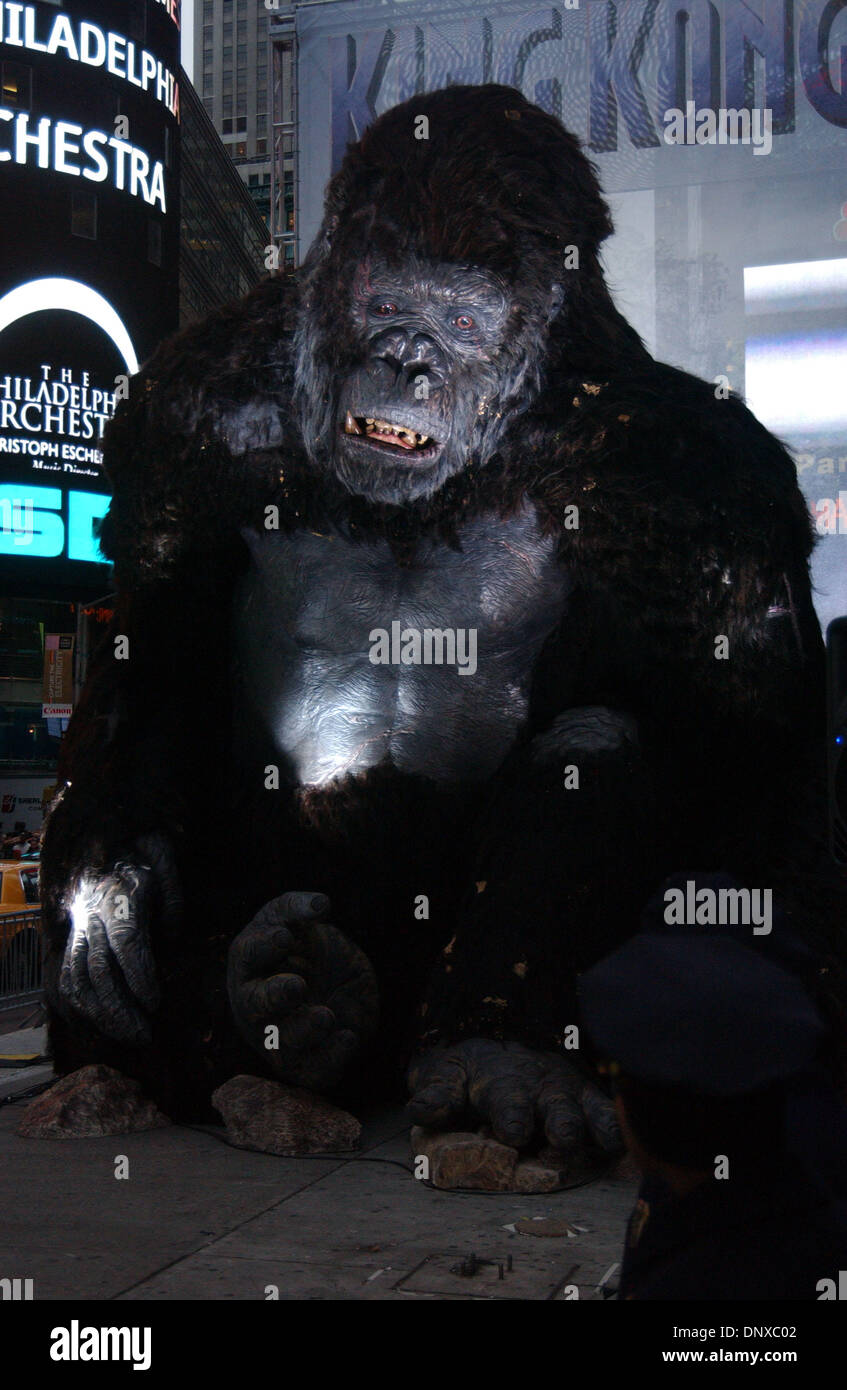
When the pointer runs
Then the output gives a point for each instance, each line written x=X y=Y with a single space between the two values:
x=223 y=239
x=233 y=72
x=284 y=115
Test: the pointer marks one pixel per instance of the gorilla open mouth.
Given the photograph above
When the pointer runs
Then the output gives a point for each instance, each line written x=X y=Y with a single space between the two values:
x=390 y=437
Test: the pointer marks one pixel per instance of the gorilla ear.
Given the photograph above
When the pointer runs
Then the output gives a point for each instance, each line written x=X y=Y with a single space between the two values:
x=557 y=299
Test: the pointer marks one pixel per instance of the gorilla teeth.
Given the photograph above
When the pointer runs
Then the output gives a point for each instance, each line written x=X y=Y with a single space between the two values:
x=409 y=439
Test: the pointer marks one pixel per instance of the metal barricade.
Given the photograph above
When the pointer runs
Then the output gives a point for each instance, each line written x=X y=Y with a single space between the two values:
x=20 y=957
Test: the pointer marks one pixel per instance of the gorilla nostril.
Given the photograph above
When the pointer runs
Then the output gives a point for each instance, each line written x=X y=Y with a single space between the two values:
x=387 y=359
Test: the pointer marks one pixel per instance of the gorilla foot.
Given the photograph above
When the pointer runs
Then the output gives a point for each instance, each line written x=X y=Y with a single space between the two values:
x=275 y=1119
x=93 y=1101
x=516 y=1120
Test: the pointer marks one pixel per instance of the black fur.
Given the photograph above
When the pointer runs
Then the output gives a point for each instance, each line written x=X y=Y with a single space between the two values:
x=691 y=526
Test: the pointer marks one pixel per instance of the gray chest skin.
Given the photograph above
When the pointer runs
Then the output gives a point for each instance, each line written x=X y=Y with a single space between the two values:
x=309 y=617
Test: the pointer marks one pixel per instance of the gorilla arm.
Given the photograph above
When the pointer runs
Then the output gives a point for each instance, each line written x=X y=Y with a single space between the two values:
x=153 y=715
x=692 y=640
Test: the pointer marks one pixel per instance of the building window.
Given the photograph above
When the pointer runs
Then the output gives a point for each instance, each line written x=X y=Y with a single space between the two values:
x=84 y=214
x=240 y=149
x=261 y=146
x=209 y=11
x=208 y=84
x=17 y=85
x=226 y=126
x=261 y=125
x=154 y=241
x=241 y=124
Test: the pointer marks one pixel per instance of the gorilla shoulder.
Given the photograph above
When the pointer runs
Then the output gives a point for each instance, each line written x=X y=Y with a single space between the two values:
x=696 y=438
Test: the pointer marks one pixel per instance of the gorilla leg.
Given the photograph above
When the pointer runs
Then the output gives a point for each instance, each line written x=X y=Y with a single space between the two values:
x=565 y=859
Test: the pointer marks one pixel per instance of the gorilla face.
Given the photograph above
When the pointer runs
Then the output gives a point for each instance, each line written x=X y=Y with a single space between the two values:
x=427 y=300
x=414 y=410
x=444 y=356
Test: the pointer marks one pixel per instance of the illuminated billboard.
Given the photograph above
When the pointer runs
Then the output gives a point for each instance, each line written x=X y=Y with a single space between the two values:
x=89 y=176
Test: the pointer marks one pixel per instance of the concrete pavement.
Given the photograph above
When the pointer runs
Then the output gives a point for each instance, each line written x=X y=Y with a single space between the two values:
x=198 y=1219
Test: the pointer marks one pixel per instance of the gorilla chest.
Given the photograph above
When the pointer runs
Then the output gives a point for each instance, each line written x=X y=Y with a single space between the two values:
x=347 y=659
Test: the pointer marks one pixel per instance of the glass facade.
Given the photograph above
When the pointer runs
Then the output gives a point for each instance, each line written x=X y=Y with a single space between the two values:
x=222 y=248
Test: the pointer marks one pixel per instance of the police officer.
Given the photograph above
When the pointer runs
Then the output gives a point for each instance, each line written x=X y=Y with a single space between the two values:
x=728 y=1103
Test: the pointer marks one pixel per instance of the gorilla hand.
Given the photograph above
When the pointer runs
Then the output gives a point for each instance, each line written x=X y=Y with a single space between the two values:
x=291 y=970
x=107 y=972
x=515 y=1090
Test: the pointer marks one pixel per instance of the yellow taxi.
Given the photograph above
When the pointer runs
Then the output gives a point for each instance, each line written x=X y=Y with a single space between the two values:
x=20 y=950
x=18 y=885
x=19 y=891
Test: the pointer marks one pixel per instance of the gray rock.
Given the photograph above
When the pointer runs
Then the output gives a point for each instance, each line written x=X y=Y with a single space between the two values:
x=534 y=1175
x=93 y=1101
x=277 y=1119
x=457 y=1159
x=478 y=1161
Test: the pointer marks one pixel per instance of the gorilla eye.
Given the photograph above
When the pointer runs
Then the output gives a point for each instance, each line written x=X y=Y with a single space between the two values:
x=464 y=321
x=385 y=309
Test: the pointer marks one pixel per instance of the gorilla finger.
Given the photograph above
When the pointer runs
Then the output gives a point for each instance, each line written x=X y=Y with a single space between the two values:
x=441 y=1100
x=263 y=949
x=129 y=944
x=117 y=1013
x=273 y=998
x=102 y=964
x=510 y=1112
x=74 y=984
x=299 y=907
x=158 y=853
x=601 y=1118
x=563 y=1120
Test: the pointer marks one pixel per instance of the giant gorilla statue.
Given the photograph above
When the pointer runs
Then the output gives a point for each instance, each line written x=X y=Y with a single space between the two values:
x=448 y=624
